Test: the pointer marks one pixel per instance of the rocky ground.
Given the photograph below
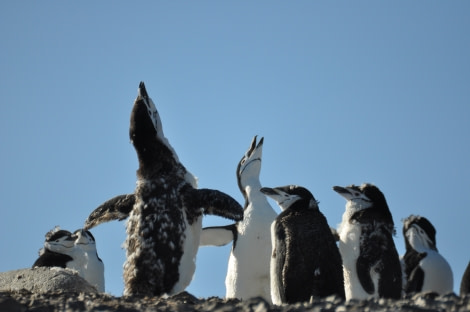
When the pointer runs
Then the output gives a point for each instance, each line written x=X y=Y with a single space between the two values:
x=44 y=289
x=67 y=301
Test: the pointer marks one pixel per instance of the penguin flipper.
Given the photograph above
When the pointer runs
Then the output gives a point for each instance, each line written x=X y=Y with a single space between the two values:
x=415 y=281
x=278 y=290
x=214 y=203
x=218 y=235
x=363 y=267
x=117 y=208
x=52 y=259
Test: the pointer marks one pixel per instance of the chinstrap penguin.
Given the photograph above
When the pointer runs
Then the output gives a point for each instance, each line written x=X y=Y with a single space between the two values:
x=92 y=268
x=75 y=251
x=57 y=249
x=165 y=212
x=371 y=263
x=305 y=259
x=248 y=272
x=424 y=268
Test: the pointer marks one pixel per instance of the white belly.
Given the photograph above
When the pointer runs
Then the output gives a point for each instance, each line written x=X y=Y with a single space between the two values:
x=94 y=273
x=438 y=275
x=248 y=273
x=349 y=247
x=188 y=260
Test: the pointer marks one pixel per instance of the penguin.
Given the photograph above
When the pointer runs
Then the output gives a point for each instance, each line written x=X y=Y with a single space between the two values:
x=305 y=260
x=371 y=264
x=465 y=282
x=57 y=249
x=425 y=269
x=248 y=272
x=164 y=214
x=92 y=267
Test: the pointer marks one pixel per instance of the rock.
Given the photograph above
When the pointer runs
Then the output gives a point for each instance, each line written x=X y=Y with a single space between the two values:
x=44 y=280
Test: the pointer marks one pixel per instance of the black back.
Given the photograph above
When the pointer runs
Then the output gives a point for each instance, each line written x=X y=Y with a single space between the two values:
x=308 y=262
x=377 y=248
x=52 y=259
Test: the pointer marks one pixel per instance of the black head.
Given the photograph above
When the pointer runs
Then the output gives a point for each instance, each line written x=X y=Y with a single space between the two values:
x=290 y=195
x=60 y=241
x=249 y=166
x=146 y=134
x=365 y=197
x=57 y=234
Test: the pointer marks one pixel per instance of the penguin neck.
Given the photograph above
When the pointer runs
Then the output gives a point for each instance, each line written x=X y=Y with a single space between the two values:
x=256 y=202
x=252 y=189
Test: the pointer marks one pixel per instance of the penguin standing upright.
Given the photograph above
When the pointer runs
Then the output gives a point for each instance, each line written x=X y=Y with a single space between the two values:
x=92 y=268
x=305 y=260
x=57 y=250
x=165 y=212
x=248 y=265
x=425 y=268
x=371 y=263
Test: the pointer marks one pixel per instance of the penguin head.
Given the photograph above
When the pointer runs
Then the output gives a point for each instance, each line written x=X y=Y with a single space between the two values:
x=419 y=233
x=249 y=166
x=60 y=241
x=291 y=195
x=146 y=133
x=84 y=239
x=365 y=197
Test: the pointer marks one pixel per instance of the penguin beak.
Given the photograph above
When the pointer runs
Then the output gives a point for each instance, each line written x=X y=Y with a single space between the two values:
x=277 y=195
x=352 y=194
x=344 y=192
x=142 y=92
x=254 y=152
x=268 y=191
x=81 y=237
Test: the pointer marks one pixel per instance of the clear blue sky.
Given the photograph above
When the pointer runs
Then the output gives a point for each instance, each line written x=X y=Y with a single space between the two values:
x=343 y=92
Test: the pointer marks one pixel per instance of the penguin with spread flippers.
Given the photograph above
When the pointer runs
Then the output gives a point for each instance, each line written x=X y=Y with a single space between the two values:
x=305 y=259
x=248 y=266
x=164 y=213
x=425 y=268
x=371 y=263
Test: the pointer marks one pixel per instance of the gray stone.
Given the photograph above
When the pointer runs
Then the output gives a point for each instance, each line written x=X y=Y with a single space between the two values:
x=44 y=280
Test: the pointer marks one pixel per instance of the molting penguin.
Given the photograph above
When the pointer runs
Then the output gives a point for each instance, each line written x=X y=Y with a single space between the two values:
x=165 y=212
x=424 y=268
x=57 y=250
x=92 y=267
x=371 y=263
x=305 y=259
x=248 y=265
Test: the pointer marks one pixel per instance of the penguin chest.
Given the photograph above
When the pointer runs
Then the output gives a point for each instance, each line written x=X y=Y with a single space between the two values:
x=350 y=249
x=95 y=272
x=438 y=275
x=248 y=267
x=187 y=265
x=78 y=264
x=253 y=246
